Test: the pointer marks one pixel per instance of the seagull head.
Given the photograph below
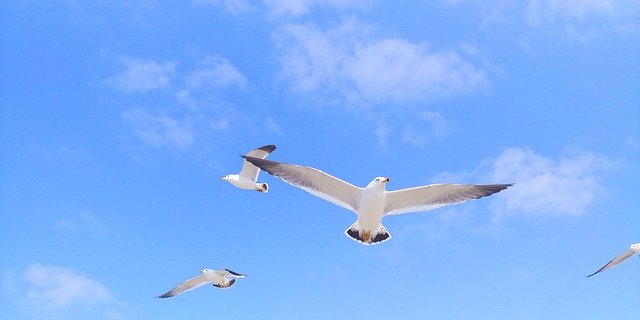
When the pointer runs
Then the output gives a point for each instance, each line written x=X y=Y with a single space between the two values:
x=635 y=247
x=378 y=182
x=205 y=271
x=227 y=177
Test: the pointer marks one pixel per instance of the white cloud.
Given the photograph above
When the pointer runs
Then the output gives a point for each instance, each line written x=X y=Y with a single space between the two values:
x=215 y=71
x=568 y=185
x=345 y=64
x=53 y=292
x=60 y=288
x=159 y=130
x=142 y=75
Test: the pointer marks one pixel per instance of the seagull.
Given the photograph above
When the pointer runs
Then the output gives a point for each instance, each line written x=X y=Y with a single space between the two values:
x=247 y=177
x=373 y=202
x=633 y=249
x=223 y=278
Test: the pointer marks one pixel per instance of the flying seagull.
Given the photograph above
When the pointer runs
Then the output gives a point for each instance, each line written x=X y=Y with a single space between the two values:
x=633 y=249
x=373 y=202
x=247 y=177
x=223 y=278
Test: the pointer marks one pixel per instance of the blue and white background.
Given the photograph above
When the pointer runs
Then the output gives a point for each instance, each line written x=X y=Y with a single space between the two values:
x=118 y=119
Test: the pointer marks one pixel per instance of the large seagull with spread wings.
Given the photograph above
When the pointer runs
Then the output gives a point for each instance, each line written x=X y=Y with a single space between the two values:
x=373 y=202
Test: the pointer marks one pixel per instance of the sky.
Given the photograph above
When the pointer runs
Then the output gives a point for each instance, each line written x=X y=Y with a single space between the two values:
x=119 y=118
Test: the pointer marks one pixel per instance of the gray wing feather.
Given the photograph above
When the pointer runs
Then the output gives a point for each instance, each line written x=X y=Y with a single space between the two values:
x=615 y=261
x=314 y=181
x=249 y=170
x=185 y=286
x=436 y=195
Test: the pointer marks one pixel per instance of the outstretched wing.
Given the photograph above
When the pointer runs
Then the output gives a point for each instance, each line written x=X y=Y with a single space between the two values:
x=250 y=171
x=615 y=261
x=314 y=181
x=187 y=285
x=436 y=195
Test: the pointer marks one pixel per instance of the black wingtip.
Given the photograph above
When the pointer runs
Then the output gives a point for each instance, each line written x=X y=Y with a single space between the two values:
x=268 y=148
x=235 y=273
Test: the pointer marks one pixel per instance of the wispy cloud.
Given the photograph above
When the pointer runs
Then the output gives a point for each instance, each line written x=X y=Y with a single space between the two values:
x=61 y=288
x=159 y=130
x=197 y=111
x=582 y=20
x=232 y=6
x=215 y=71
x=381 y=132
x=426 y=126
x=140 y=75
x=272 y=126
x=565 y=186
x=52 y=290
x=444 y=223
x=85 y=221
x=301 y=7
x=347 y=64
x=539 y=11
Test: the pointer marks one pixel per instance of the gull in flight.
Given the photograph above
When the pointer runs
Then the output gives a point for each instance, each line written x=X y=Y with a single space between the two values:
x=247 y=177
x=373 y=202
x=223 y=278
x=633 y=249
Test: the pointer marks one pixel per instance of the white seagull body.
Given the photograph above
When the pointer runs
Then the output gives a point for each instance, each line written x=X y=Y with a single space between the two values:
x=223 y=278
x=373 y=202
x=248 y=176
x=633 y=249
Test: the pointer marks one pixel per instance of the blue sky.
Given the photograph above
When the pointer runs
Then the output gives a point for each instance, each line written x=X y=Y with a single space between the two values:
x=118 y=119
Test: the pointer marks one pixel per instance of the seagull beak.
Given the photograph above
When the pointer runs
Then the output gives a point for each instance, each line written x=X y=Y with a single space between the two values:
x=387 y=180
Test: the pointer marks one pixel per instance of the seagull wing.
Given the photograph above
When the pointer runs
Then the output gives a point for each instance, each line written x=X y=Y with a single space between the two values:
x=250 y=171
x=615 y=261
x=313 y=181
x=187 y=285
x=436 y=195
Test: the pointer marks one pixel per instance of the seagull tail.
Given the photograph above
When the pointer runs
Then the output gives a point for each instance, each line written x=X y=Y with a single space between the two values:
x=375 y=236
x=263 y=188
x=224 y=285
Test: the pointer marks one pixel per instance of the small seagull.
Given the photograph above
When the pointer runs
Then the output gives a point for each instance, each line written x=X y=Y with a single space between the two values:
x=633 y=249
x=223 y=278
x=247 y=177
x=373 y=202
